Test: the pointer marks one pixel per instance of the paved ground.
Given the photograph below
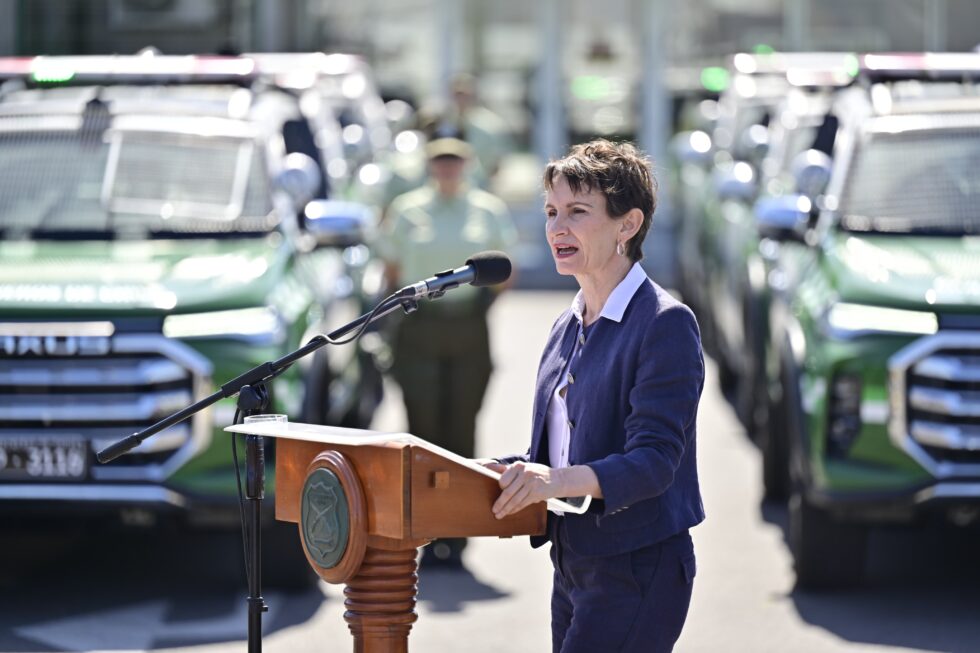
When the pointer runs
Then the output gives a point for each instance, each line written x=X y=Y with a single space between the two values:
x=77 y=593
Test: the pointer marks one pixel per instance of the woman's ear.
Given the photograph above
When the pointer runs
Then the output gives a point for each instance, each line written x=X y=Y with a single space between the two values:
x=630 y=223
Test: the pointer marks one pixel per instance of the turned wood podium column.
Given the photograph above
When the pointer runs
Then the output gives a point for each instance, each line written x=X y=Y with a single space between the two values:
x=365 y=502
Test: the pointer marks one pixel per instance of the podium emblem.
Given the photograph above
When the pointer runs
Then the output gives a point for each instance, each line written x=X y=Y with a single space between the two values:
x=325 y=518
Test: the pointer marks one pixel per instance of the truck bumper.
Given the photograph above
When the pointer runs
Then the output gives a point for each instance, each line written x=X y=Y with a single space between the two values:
x=131 y=504
x=959 y=501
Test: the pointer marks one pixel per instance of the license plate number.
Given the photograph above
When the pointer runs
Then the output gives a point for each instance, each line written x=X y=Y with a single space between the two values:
x=29 y=459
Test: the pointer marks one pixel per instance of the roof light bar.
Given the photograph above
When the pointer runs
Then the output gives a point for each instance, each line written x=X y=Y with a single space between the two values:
x=15 y=66
x=130 y=68
x=923 y=66
x=302 y=69
x=801 y=69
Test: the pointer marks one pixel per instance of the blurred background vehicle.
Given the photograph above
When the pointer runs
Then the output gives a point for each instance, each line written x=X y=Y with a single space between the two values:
x=719 y=239
x=372 y=149
x=873 y=318
x=353 y=115
x=750 y=145
x=801 y=137
x=166 y=225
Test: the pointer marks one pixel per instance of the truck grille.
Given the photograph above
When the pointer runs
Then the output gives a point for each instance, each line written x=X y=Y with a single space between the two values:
x=935 y=399
x=139 y=380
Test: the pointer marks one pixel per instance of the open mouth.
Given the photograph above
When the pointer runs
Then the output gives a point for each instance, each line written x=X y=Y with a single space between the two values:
x=564 y=251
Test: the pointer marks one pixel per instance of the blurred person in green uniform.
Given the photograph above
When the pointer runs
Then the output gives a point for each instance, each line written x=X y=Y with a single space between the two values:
x=442 y=351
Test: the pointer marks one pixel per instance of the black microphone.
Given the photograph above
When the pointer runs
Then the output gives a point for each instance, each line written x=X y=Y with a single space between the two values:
x=483 y=269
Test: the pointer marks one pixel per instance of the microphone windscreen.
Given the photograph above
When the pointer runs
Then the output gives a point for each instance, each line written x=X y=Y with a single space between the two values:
x=489 y=268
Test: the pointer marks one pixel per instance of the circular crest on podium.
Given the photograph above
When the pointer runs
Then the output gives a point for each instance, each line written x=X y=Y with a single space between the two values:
x=333 y=517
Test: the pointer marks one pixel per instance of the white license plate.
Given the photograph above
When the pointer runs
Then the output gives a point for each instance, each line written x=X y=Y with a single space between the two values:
x=43 y=458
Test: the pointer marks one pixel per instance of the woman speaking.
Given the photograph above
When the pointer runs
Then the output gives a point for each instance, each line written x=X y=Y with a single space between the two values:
x=614 y=417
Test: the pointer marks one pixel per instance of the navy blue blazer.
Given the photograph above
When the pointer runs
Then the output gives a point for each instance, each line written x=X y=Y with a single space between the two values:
x=632 y=412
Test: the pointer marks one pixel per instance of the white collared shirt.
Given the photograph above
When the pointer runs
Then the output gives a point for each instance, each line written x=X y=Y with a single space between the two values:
x=559 y=433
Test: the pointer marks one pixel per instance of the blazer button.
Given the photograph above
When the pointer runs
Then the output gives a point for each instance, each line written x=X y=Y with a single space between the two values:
x=571 y=378
x=571 y=424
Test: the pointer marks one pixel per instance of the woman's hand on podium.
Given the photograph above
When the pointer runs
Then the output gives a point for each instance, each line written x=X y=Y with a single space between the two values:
x=524 y=484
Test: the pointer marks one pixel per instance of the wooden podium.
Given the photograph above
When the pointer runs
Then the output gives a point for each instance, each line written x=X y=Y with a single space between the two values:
x=365 y=501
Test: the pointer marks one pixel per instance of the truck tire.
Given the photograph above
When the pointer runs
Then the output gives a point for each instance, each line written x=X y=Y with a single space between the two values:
x=284 y=566
x=728 y=380
x=754 y=399
x=775 y=462
x=827 y=554
x=774 y=441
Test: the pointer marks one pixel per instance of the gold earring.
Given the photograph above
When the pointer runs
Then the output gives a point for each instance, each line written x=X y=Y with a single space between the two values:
x=620 y=249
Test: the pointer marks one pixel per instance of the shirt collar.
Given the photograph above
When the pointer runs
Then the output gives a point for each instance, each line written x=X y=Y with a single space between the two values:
x=618 y=299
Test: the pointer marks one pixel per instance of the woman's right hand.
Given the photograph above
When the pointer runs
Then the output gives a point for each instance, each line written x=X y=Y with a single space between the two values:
x=523 y=484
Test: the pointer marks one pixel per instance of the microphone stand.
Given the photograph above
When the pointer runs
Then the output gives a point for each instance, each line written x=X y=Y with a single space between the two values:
x=253 y=399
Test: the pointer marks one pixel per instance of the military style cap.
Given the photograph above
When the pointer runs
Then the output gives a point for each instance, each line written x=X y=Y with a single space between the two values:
x=448 y=146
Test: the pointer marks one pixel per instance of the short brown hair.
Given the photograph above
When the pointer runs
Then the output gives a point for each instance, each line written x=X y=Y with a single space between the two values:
x=617 y=170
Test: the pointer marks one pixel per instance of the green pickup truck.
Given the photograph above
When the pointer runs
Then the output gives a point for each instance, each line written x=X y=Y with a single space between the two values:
x=160 y=237
x=873 y=361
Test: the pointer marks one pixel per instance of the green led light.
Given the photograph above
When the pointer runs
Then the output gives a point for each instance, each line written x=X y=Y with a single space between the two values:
x=52 y=74
x=714 y=78
x=851 y=65
x=763 y=48
x=590 y=87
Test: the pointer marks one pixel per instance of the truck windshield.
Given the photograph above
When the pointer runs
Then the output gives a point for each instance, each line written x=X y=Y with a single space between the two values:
x=76 y=183
x=923 y=182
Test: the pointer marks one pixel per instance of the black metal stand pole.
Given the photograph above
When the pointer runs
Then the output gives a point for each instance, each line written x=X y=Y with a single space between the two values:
x=254 y=493
x=254 y=400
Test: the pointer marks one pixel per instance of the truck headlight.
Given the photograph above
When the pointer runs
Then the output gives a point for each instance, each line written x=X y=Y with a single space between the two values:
x=845 y=320
x=260 y=324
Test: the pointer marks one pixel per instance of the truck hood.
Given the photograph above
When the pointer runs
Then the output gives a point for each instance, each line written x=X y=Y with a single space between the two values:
x=909 y=271
x=138 y=278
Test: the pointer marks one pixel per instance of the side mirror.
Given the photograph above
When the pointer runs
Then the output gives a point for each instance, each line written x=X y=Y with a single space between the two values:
x=811 y=170
x=692 y=147
x=299 y=178
x=736 y=183
x=334 y=223
x=783 y=218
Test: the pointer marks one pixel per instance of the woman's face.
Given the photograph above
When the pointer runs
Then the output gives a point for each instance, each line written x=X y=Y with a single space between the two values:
x=580 y=231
